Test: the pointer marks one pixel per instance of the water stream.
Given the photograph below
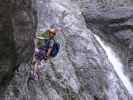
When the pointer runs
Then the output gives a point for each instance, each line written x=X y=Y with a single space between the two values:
x=118 y=66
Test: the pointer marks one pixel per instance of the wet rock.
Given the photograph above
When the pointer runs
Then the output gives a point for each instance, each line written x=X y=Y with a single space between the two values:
x=113 y=23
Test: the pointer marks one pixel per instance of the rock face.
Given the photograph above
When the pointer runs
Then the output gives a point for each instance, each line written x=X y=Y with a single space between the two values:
x=81 y=70
x=7 y=44
x=113 y=21
x=17 y=25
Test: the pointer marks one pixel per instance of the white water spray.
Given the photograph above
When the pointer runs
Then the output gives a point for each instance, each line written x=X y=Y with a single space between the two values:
x=118 y=67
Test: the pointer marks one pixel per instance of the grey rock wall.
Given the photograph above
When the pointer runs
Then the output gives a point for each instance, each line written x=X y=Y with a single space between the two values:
x=17 y=28
x=113 y=22
x=81 y=70
x=7 y=44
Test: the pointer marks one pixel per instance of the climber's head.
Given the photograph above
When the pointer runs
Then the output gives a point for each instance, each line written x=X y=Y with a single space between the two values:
x=52 y=32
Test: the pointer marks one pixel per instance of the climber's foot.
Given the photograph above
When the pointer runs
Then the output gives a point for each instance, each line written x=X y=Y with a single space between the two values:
x=34 y=76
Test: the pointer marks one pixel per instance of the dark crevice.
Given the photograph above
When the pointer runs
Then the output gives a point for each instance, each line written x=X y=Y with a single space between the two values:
x=120 y=28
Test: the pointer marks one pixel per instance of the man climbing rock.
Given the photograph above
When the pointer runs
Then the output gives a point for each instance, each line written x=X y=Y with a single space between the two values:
x=50 y=48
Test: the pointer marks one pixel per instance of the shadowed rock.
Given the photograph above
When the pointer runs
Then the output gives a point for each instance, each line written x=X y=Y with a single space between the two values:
x=17 y=23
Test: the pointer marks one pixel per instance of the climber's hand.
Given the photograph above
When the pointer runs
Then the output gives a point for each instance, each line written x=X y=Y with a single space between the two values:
x=45 y=58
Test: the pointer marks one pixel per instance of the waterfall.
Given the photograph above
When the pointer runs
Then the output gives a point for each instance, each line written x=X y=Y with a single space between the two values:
x=118 y=66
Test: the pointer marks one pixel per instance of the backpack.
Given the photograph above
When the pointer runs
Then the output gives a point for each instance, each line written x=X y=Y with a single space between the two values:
x=55 y=48
x=42 y=39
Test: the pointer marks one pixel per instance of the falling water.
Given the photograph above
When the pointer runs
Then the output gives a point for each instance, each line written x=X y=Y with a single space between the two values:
x=118 y=67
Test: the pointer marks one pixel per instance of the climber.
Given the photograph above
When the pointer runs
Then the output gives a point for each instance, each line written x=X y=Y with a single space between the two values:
x=49 y=49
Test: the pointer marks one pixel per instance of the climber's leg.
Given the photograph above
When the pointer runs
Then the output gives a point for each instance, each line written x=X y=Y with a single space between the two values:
x=35 y=63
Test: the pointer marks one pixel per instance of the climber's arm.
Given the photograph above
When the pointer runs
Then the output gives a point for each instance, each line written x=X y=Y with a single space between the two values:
x=51 y=45
x=49 y=52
